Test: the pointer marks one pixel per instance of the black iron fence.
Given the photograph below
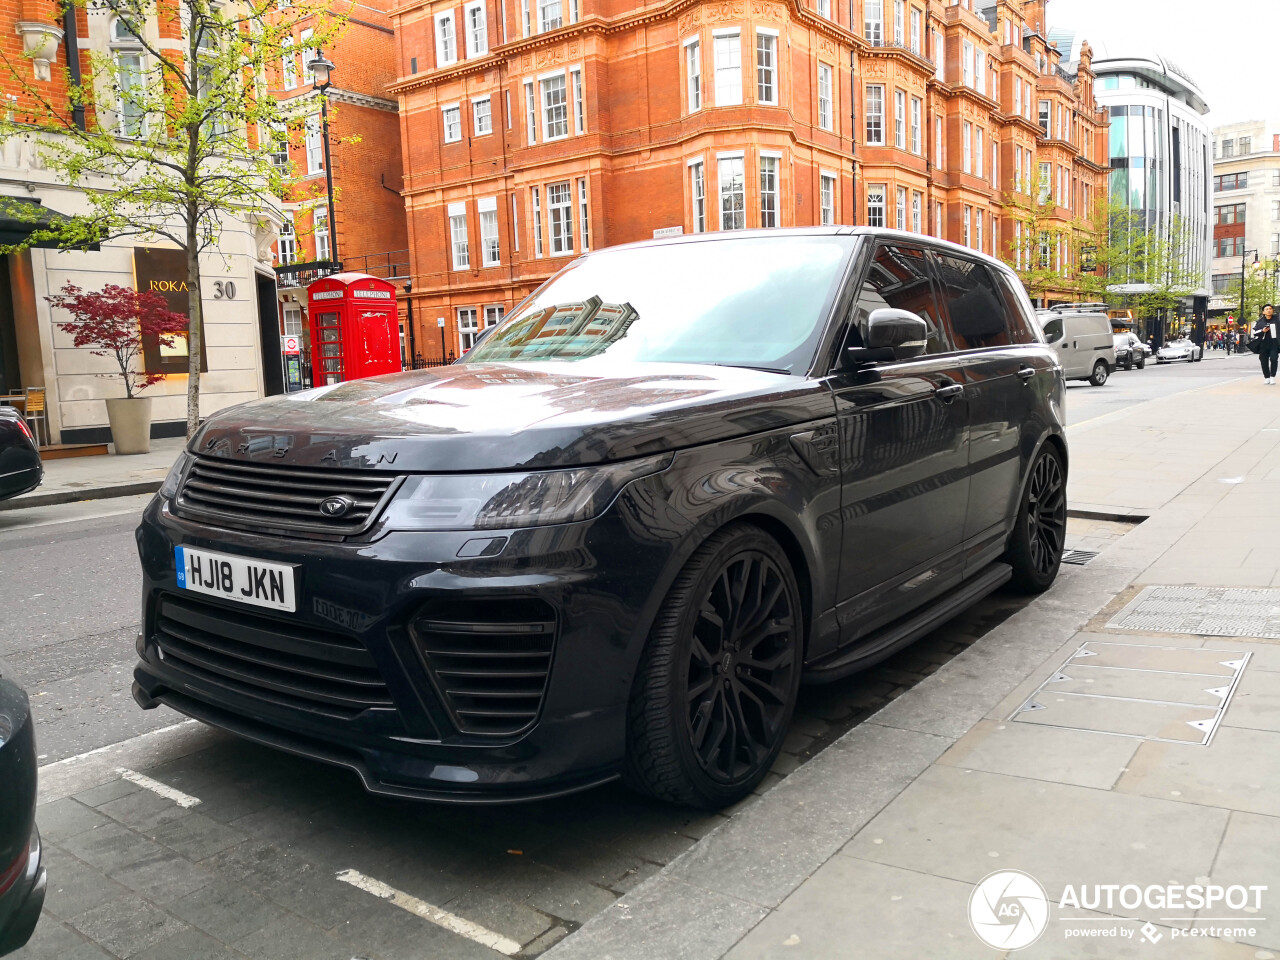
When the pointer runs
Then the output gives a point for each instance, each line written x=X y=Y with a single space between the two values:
x=421 y=363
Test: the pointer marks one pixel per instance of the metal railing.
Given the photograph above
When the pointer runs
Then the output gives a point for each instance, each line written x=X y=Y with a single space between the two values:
x=421 y=363
x=393 y=265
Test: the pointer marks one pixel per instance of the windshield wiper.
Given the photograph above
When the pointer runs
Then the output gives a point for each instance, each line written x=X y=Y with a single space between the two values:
x=748 y=366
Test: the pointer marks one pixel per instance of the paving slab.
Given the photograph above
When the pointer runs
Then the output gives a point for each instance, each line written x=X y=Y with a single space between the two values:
x=963 y=825
x=1042 y=753
x=1238 y=771
x=852 y=907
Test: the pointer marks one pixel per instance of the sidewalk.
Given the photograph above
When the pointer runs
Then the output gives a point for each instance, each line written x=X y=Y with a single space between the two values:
x=93 y=478
x=1069 y=744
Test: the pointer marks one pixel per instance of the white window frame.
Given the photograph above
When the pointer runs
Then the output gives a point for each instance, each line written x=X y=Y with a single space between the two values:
x=515 y=225
x=966 y=146
x=874 y=114
x=320 y=231
x=876 y=199
x=131 y=120
x=693 y=74
x=545 y=108
x=978 y=217
x=544 y=21
x=767 y=91
x=873 y=22
x=828 y=199
x=474 y=48
x=979 y=152
x=917 y=210
x=826 y=98
x=531 y=112
x=899 y=118
x=288 y=65
x=900 y=208
x=490 y=248
x=584 y=215
x=493 y=314
x=916 y=34
x=771 y=169
x=476 y=114
x=579 y=100
x=309 y=53
x=526 y=21
x=446 y=42
x=459 y=243
x=730 y=74
x=917 y=115
x=445 y=110
x=560 y=216
x=939 y=55
x=899 y=23
x=980 y=71
x=824 y=9
x=466 y=332
x=536 y=194
x=287 y=241
x=968 y=226
x=698 y=194
x=721 y=160
x=313 y=141
x=966 y=63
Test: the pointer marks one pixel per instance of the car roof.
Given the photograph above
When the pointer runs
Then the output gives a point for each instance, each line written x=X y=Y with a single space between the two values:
x=875 y=233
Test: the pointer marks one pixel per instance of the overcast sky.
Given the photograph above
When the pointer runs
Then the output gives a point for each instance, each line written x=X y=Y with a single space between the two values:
x=1231 y=48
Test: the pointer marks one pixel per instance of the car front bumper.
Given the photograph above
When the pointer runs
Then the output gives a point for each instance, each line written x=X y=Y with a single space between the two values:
x=21 y=905
x=369 y=619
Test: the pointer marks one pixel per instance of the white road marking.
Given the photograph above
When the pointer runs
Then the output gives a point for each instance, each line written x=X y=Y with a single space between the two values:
x=441 y=918
x=67 y=761
x=184 y=800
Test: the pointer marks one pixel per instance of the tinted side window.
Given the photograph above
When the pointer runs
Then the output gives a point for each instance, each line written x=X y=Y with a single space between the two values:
x=1053 y=329
x=899 y=278
x=1021 y=327
x=974 y=304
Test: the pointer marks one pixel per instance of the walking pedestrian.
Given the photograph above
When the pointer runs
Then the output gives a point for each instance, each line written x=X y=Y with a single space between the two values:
x=1264 y=335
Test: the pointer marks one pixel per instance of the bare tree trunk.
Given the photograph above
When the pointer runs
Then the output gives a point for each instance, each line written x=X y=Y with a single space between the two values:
x=195 y=326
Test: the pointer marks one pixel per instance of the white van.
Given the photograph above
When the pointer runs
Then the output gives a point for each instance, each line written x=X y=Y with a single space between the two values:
x=1085 y=345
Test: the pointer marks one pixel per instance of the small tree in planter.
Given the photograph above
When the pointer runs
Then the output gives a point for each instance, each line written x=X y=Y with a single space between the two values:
x=113 y=323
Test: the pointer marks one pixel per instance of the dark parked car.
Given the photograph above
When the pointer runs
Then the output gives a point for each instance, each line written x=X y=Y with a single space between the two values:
x=1130 y=351
x=611 y=540
x=22 y=874
x=20 y=467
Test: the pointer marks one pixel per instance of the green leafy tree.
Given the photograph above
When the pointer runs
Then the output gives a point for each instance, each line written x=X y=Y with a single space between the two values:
x=1032 y=250
x=176 y=143
x=1259 y=290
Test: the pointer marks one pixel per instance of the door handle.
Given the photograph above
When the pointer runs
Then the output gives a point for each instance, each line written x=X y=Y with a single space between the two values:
x=949 y=392
x=1026 y=373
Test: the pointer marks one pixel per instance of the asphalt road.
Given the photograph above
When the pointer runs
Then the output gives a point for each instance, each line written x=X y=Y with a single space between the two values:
x=70 y=594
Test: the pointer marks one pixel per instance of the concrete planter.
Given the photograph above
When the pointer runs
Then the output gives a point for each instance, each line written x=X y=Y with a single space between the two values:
x=130 y=424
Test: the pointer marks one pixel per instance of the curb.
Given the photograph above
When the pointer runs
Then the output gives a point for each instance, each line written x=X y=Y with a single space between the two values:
x=74 y=496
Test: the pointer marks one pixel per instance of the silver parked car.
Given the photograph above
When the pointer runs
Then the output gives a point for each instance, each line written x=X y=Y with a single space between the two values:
x=1180 y=349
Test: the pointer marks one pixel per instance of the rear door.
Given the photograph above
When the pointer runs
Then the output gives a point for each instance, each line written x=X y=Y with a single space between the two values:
x=904 y=456
x=1003 y=364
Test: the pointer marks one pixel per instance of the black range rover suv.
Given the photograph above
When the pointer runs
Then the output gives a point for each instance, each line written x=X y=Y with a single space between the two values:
x=673 y=482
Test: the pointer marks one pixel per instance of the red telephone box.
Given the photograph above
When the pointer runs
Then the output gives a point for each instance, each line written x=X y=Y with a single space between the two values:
x=355 y=328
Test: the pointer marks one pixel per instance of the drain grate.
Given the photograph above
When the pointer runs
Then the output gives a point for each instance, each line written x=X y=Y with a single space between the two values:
x=1171 y=694
x=1203 y=611
x=1078 y=557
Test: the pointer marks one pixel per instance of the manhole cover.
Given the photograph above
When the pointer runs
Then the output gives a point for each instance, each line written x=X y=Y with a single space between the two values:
x=1078 y=557
x=1204 y=611
x=1174 y=694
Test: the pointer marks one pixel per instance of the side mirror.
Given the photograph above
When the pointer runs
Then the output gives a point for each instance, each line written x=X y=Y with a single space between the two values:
x=891 y=335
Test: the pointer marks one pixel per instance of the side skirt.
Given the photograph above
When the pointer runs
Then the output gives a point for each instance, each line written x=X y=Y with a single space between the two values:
x=891 y=638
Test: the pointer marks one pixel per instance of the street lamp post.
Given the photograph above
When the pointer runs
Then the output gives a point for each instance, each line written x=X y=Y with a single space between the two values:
x=322 y=69
x=440 y=324
x=1243 y=254
x=408 y=303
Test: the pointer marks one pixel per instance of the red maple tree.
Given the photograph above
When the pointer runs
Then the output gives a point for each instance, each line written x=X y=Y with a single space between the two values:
x=114 y=321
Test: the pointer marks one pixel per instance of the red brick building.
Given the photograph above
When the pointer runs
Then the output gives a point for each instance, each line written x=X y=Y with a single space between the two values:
x=536 y=129
x=365 y=153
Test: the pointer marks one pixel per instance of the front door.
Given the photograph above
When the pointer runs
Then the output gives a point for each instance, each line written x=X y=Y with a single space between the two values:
x=904 y=456
x=1003 y=371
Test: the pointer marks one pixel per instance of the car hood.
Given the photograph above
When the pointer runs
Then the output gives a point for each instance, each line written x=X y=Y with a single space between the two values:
x=467 y=417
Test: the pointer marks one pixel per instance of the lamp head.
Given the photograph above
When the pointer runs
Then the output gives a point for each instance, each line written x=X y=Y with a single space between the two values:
x=322 y=69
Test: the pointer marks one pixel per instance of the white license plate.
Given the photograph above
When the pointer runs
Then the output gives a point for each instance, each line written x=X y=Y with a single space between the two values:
x=242 y=579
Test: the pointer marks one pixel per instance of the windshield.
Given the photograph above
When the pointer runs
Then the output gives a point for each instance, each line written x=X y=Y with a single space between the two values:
x=755 y=302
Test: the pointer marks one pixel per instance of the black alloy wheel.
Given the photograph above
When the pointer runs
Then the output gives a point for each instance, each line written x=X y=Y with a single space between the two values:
x=1036 y=543
x=718 y=682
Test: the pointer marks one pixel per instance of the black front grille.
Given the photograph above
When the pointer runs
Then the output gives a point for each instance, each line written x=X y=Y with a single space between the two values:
x=256 y=496
x=279 y=663
x=490 y=661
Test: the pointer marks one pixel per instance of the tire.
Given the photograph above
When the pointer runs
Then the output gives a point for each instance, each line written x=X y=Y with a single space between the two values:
x=1142 y=364
x=705 y=725
x=1128 y=364
x=1035 y=545
x=1100 y=373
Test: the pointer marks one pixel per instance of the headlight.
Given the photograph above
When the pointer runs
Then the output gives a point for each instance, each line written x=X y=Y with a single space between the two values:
x=503 y=500
x=169 y=489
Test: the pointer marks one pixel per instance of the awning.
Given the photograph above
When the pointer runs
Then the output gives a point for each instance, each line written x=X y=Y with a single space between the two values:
x=21 y=216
